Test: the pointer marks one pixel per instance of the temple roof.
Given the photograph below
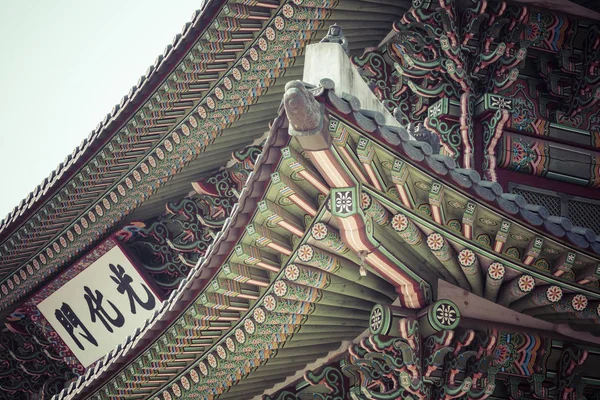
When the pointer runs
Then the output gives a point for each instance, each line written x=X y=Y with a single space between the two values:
x=253 y=235
x=213 y=91
x=217 y=89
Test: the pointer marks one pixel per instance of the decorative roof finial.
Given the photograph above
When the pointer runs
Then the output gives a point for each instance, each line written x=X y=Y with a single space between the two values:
x=335 y=34
x=422 y=134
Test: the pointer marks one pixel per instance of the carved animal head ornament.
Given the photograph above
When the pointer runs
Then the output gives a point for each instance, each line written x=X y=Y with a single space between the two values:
x=335 y=34
x=422 y=134
x=305 y=114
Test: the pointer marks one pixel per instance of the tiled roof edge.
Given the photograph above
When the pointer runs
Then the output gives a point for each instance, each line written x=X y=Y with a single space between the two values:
x=161 y=315
x=113 y=121
x=468 y=179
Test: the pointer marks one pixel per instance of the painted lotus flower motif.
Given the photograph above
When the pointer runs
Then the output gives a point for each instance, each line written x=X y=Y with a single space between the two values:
x=399 y=222
x=526 y=283
x=305 y=252
x=501 y=354
x=579 y=302
x=365 y=201
x=435 y=241
x=496 y=271
x=466 y=257
x=522 y=154
x=319 y=231
x=554 y=294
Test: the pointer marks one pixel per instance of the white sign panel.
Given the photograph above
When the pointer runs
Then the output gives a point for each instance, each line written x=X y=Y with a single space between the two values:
x=100 y=306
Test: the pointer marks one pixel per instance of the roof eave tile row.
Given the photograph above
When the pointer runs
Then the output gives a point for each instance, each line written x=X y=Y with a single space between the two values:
x=466 y=178
x=51 y=238
x=113 y=121
x=370 y=122
x=190 y=287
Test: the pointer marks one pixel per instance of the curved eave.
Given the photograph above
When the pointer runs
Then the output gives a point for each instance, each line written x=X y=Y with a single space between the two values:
x=189 y=289
x=120 y=114
x=532 y=273
x=100 y=195
x=112 y=375
x=312 y=336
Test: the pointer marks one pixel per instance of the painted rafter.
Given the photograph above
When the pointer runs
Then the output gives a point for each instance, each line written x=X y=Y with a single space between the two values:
x=230 y=63
x=302 y=296
x=502 y=277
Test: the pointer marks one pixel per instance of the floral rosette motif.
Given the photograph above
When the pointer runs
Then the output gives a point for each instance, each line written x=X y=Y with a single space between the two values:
x=526 y=283
x=269 y=302
x=185 y=383
x=466 y=258
x=221 y=352
x=280 y=288
x=259 y=315
x=305 y=253
x=579 y=302
x=292 y=272
x=270 y=34
x=230 y=344
x=554 y=294
x=249 y=326
x=212 y=360
x=496 y=271
x=504 y=355
x=435 y=241
x=167 y=395
x=194 y=376
x=240 y=336
x=319 y=231
x=279 y=23
x=203 y=368
x=176 y=390
x=399 y=222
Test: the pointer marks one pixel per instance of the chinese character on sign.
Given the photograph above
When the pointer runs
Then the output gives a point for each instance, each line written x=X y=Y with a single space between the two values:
x=98 y=302
x=124 y=281
x=70 y=321
x=97 y=311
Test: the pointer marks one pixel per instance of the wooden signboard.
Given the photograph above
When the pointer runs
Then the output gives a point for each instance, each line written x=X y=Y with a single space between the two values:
x=100 y=304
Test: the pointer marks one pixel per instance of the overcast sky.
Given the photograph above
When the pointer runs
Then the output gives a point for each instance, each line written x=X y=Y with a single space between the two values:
x=63 y=65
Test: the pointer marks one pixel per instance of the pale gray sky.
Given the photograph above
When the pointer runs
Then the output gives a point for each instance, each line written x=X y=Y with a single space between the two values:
x=63 y=65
